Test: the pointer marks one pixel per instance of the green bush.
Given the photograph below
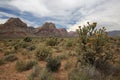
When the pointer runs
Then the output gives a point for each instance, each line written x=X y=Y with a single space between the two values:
x=27 y=39
x=7 y=52
x=63 y=56
x=78 y=75
x=23 y=66
x=69 y=43
x=53 y=64
x=86 y=73
x=10 y=57
x=1 y=61
x=45 y=75
x=35 y=72
x=52 y=41
x=43 y=53
x=21 y=45
x=31 y=48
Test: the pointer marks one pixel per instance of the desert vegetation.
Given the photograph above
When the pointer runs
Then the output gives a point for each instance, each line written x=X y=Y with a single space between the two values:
x=93 y=55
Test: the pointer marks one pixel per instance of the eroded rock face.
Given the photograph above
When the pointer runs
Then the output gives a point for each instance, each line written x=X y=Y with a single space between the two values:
x=49 y=29
x=48 y=26
x=15 y=27
x=15 y=22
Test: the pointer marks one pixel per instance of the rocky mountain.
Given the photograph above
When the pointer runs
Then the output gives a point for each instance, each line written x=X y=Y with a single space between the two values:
x=72 y=34
x=114 y=33
x=49 y=29
x=15 y=27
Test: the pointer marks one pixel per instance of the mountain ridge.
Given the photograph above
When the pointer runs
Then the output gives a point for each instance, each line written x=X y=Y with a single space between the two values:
x=15 y=27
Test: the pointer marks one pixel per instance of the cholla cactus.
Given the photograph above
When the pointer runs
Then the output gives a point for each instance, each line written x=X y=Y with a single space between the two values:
x=93 y=45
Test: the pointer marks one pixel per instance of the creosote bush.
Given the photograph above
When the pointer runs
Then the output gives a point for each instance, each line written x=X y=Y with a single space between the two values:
x=27 y=39
x=45 y=75
x=24 y=65
x=53 y=64
x=52 y=41
x=10 y=57
x=42 y=53
x=35 y=72
x=1 y=61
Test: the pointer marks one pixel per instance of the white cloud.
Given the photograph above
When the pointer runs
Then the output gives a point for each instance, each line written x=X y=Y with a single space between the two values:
x=36 y=7
x=65 y=11
x=106 y=14
x=2 y=20
x=7 y=14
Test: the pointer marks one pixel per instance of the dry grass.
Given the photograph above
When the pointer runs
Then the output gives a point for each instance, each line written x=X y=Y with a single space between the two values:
x=65 y=50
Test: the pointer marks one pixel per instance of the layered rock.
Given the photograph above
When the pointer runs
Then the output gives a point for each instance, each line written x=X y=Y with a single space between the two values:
x=14 y=27
x=49 y=29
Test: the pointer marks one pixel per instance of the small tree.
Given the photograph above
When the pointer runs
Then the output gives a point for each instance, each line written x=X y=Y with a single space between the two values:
x=93 y=46
x=53 y=64
x=27 y=39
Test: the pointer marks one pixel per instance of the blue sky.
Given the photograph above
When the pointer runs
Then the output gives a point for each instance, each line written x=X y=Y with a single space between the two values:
x=67 y=14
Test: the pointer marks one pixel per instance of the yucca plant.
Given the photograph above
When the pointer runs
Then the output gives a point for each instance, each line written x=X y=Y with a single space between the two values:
x=93 y=46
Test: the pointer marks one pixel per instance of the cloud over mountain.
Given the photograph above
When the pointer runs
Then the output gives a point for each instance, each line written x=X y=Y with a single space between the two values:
x=64 y=13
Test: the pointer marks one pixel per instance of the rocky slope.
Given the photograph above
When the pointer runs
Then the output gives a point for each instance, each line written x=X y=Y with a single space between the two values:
x=49 y=29
x=15 y=27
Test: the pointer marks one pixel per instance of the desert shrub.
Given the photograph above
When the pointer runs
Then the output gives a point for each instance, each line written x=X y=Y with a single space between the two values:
x=68 y=65
x=42 y=53
x=52 y=41
x=23 y=66
x=69 y=43
x=1 y=61
x=10 y=57
x=94 y=47
x=20 y=66
x=45 y=75
x=21 y=45
x=35 y=72
x=53 y=64
x=78 y=75
x=27 y=39
x=72 y=53
x=63 y=56
x=31 y=48
x=8 y=52
x=86 y=73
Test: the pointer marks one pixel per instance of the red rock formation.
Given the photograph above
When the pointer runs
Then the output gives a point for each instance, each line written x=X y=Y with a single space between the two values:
x=14 y=27
x=49 y=29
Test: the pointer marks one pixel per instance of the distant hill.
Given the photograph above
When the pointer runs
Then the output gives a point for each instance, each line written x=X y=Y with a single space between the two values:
x=14 y=27
x=49 y=29
x=114 y=33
